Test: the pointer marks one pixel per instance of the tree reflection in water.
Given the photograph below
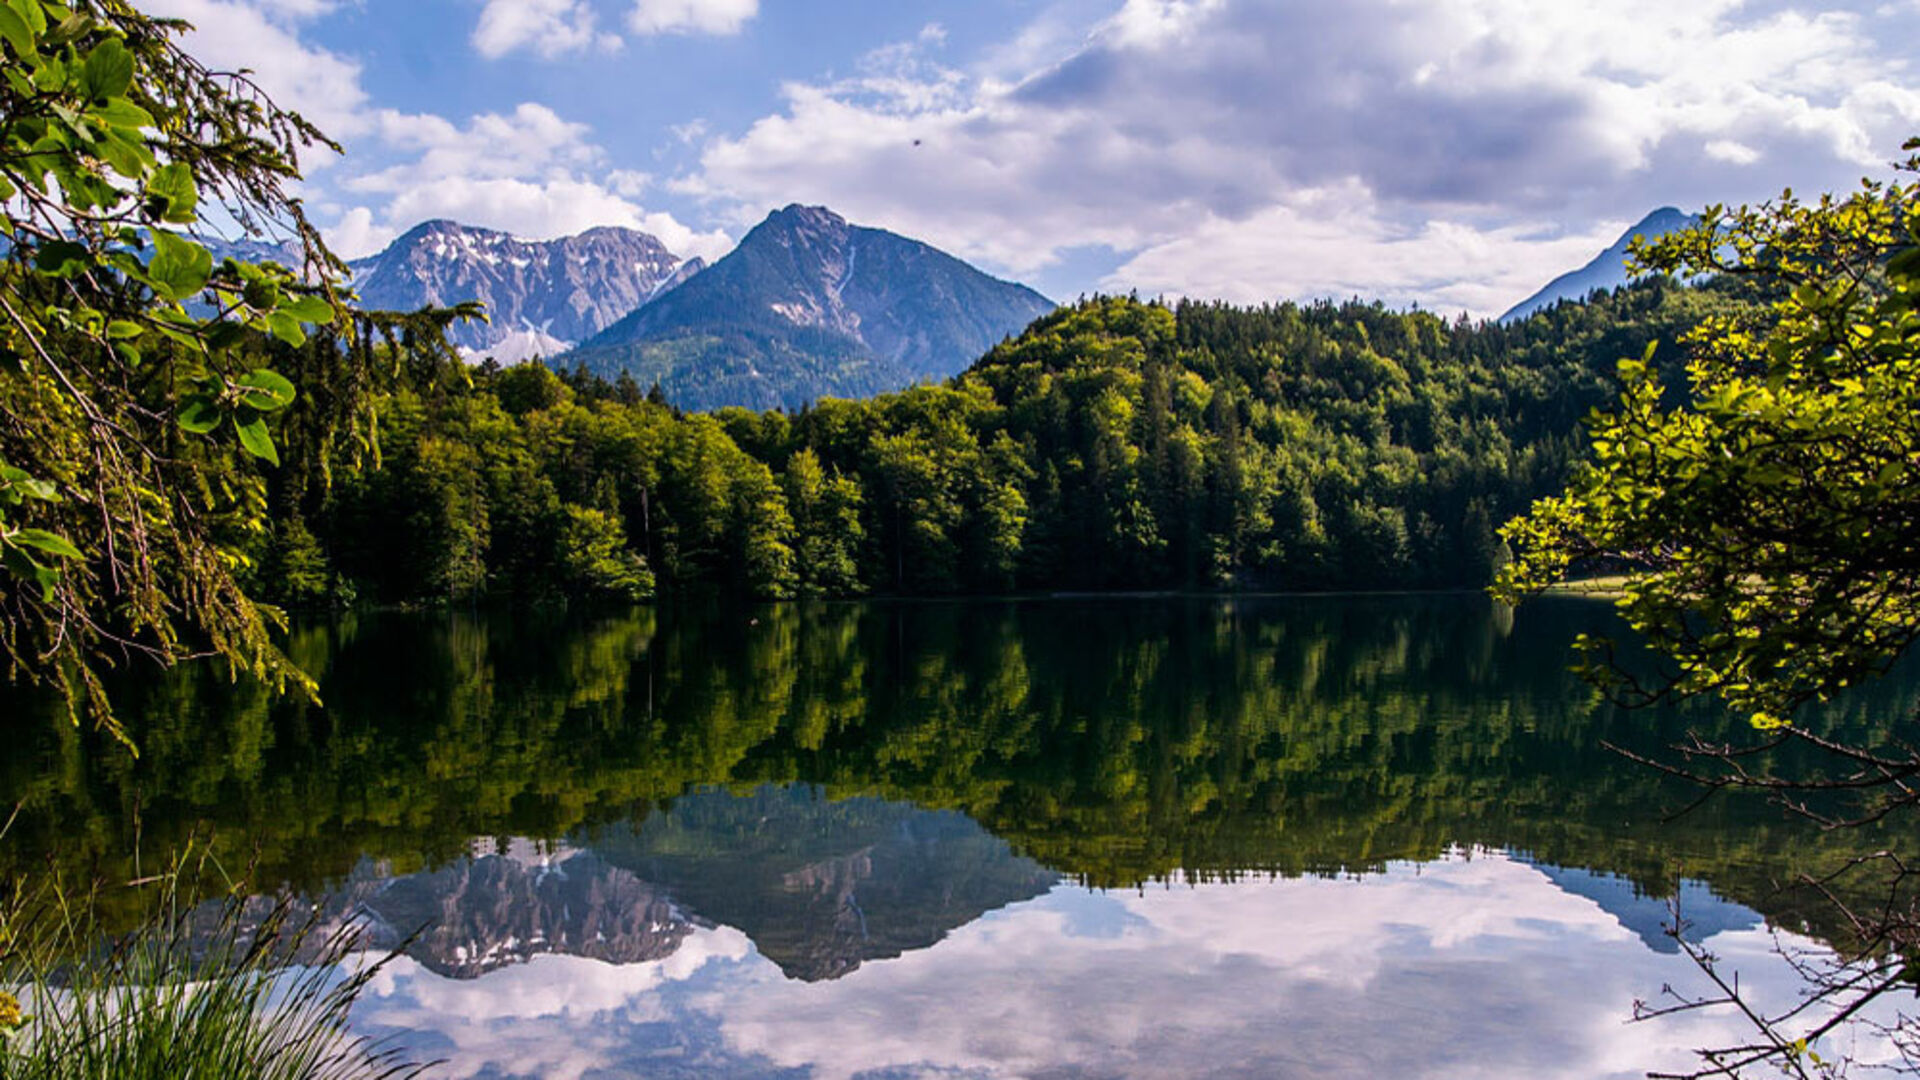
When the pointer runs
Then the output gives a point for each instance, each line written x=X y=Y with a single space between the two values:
x=853 y=782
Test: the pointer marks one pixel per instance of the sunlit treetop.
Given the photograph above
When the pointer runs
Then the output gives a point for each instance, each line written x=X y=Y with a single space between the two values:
x=1769 y=524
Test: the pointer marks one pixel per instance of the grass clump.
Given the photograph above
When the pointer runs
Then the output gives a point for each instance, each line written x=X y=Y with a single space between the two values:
x=227 y=989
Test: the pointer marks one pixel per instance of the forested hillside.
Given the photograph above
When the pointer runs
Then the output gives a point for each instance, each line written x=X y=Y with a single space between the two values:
x=1116 y=445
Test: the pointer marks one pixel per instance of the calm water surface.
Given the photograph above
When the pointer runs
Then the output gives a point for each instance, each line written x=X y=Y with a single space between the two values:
x=1054 y=838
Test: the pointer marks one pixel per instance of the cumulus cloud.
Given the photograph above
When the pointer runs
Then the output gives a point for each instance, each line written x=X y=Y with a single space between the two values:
x=530 y=172
x=1302 y=248
x=1486 y=127
x=357 y=234
x=298 y=9
x=555 y=1017
x=232 y=34
x=548 y=28
x=691 y=16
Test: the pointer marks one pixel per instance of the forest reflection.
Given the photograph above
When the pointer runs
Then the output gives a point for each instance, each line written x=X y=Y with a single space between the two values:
x=723 y=750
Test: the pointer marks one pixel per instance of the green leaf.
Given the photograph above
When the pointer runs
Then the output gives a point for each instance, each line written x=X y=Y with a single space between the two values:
x=262 y=293
x=25 y=568
x=71 y=28
x=108 y=70
x=173 y=190
x=259 y=443
x=199 y=415
x=122 y=329
x=16 y=33
x=21 y=483
x=309 y=309
x=33 y=11
x=179 y=268
x=226 y=335
x=125 y=115
x=266 y=390
x=42 y=540
x=62 y=258
x=287 y=328
x=129 y=158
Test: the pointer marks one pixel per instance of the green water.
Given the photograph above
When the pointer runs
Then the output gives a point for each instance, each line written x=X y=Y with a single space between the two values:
x=659 y=827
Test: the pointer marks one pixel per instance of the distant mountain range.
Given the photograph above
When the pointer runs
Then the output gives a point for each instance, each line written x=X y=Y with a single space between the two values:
x=543 y=296
x=1608 y=270
x=807 y=306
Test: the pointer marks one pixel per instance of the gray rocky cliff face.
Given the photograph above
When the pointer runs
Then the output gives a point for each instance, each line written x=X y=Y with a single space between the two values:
x=551 y=293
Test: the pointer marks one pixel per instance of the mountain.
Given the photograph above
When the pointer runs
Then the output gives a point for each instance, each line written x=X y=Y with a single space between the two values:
x=478 y=914
x=809 y=306
x=1608 y=270
x=542 y=295
x=474 y=915
x=1703 y=912
x=823 y=886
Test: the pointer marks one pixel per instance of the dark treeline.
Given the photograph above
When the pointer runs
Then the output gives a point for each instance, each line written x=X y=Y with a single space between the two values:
x=1115 y=445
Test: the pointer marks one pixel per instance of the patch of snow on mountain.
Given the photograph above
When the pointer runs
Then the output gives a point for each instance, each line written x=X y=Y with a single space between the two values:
x=519 y=346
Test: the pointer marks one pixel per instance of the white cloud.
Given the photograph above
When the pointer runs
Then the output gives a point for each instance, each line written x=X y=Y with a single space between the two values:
x=1489 y=132
x=1339 y=244
x=298 y=9
x=1731 y=150
x=541 y=1018
x=530 y=172
x=549 y=28
x=531 y=139
x=229 y=35
x=357 y=234
x=691 y=16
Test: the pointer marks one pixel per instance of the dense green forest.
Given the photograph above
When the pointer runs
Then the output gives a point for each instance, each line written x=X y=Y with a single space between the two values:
x=1115 y=445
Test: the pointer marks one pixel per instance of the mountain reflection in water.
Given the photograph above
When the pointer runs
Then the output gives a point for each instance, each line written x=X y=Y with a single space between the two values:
x=1090 y=837
x=820 y=887
x=1462 y=966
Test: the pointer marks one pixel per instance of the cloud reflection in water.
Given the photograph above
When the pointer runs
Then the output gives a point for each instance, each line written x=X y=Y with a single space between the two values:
x=1471 y=966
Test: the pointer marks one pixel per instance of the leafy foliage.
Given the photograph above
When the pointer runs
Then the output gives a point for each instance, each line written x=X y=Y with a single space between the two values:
x=146 y=393
x=1766 y=524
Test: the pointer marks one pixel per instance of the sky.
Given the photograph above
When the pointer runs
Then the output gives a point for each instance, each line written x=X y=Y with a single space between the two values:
x=1450 y=154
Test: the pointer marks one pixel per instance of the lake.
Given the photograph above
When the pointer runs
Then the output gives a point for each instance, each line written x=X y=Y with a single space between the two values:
x=1075 y=837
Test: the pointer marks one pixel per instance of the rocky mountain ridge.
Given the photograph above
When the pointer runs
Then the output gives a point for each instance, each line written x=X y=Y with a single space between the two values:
x=810 y=305
x=542 y=296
